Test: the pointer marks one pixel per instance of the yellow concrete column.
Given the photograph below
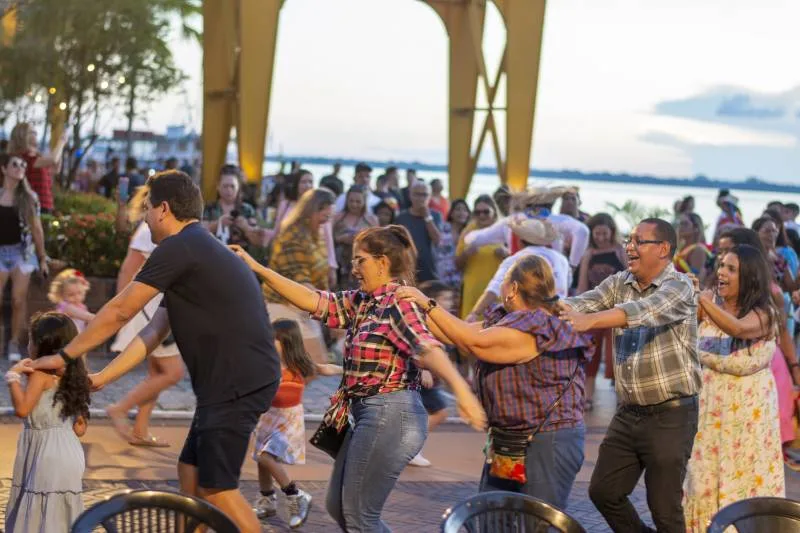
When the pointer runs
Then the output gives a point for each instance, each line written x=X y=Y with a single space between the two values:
x=258 y=25
x=463 y=31
x=524 y=24
x=219 y=94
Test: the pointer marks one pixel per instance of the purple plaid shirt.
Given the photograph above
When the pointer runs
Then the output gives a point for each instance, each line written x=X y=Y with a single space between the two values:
x=517 y=397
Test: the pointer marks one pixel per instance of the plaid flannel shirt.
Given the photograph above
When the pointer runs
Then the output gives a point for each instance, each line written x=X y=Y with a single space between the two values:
x=301 y=256
x=384 y=335
x=656 y=353
x=517 y=396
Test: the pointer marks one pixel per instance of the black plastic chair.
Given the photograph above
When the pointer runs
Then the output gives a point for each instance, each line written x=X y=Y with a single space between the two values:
x=505 y=512
x=145 y=511
x=776 y=515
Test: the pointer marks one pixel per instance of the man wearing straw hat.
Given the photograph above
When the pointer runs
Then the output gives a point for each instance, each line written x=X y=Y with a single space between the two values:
x=536 y=236
x=538 y=202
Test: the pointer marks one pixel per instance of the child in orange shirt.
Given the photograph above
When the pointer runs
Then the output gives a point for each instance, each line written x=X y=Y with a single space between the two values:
x=280 y=433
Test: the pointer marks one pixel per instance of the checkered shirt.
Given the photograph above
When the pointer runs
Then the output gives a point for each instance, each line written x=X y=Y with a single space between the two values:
x=518 y=396
x=384 y=335
x=301 y=256
x=656 y=354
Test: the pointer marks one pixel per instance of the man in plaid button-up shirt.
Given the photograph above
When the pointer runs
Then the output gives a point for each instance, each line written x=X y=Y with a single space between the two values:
x=653 y=310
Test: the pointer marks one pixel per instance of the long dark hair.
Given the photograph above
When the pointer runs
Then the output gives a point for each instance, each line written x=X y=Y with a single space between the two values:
x=395 y=243
x=601 y=219
x=774 y=214
x=297 y=360
x=292 y=184
x=457 y=203
x=51 y=332
x=754 y=284
x=25 y=200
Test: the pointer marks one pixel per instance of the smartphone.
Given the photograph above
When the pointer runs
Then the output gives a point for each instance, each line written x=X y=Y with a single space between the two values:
x=123 y=186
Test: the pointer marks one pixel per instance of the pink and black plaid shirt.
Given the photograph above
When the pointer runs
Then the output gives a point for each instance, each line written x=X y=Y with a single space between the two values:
x=384 y=335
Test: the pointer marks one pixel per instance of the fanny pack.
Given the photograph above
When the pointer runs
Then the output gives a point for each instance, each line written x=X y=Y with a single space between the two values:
x=507 y=450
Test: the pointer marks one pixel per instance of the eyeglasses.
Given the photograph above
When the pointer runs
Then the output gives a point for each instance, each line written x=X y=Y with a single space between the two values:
x=638 y=242
x=479 y=212
x=19 y=164
x=356 y=262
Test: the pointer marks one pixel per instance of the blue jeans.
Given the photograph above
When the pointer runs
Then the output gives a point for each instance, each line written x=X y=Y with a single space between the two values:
x=553 y=461
x=388 y=431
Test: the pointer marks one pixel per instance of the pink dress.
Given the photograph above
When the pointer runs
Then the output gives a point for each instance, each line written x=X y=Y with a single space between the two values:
x=783 y=381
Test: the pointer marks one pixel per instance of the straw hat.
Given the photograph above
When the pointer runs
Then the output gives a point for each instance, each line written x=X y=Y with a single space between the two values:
x=533 y=230
x=544 y=195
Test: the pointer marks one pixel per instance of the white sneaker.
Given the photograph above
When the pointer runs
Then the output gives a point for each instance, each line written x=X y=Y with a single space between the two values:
x=298 y=507
x=13 y=352
x=266 y=506
x=420 y=461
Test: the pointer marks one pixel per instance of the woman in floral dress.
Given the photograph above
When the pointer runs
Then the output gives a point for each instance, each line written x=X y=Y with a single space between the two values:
x=737 y=451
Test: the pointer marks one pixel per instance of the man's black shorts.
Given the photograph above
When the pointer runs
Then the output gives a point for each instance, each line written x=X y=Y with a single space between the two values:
x=220 y=434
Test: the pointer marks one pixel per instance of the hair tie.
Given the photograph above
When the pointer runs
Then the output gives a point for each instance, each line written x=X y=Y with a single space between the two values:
x=551 y=300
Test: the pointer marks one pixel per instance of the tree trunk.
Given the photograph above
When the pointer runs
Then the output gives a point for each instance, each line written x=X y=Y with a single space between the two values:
x=131 y=115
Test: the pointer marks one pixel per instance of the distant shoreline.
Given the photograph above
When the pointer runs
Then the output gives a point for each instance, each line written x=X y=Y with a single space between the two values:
x=751 y=184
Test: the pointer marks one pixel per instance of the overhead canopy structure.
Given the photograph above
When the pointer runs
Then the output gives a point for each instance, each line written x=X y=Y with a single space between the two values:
x=239 y=56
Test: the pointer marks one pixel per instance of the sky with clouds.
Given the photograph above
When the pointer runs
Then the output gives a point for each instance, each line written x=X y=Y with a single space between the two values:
x=663 y=87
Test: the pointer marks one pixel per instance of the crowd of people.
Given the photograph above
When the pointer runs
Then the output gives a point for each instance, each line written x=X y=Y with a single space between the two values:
x=512 y=304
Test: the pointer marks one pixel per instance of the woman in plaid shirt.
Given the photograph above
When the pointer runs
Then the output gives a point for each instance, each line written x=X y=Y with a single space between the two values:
x=386 y=343
x=530 y=379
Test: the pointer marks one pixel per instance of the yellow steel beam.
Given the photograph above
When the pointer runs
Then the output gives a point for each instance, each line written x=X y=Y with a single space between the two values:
x=258 y=25
x=463 y=31
x=524 y=24
x=9 y=25
x=219 y=93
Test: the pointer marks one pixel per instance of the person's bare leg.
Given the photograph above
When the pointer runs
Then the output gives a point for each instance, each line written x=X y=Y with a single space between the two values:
x=275 y=469
x=3 y=280
x=170 y=372
x=19 y=303
x=162 y=371
x=235 y=506
x=187 y=479
x=264 y=478
x=436 y=418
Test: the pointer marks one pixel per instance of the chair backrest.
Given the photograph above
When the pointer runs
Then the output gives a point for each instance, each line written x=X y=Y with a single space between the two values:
x=501 y=511
x=145 y=511
x=776 y=515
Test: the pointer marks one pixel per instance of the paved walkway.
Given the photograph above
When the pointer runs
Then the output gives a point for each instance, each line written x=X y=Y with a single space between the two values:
x=416 y=505
x=179 y=398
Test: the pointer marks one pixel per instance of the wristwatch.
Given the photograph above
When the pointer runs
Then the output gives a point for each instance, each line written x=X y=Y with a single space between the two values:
x=431 y=305
x=67 y=359
x=429 y=218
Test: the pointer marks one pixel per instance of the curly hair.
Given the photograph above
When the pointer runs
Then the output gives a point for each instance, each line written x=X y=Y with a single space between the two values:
x=50 y=332
x=66 y=277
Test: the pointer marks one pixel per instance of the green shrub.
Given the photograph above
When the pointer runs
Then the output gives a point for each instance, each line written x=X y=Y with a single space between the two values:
x=71 y=202
x=87 y=242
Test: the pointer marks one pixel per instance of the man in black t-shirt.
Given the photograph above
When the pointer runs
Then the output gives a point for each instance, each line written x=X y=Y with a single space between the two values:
x=213 y=303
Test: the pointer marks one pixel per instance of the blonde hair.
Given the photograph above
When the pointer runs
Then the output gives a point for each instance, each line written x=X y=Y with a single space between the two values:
x=68 y=276
x=136 y=205
x=312 y=201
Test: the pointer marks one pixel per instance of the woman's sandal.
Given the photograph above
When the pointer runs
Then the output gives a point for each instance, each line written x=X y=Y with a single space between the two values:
x=151 y=441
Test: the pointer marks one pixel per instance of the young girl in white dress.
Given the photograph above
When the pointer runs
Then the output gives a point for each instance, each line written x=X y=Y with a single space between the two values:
x=46 y=488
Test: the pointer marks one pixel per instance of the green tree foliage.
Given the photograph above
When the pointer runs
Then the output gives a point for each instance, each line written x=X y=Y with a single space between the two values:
x=96 y=55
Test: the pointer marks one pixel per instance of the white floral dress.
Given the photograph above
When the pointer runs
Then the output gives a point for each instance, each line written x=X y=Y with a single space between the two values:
x=737 y=451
